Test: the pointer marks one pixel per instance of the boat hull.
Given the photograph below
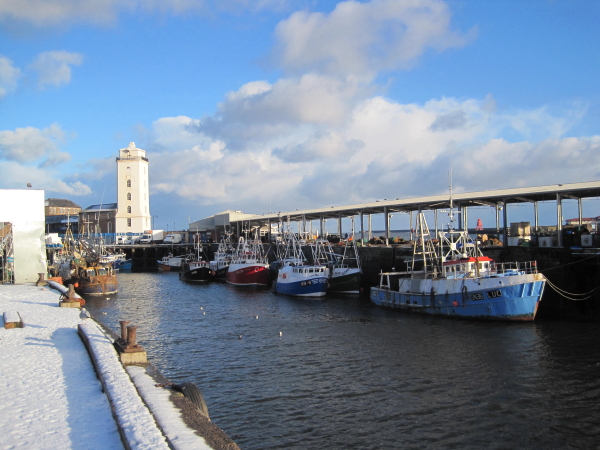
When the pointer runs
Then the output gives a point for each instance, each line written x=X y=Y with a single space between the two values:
x=512 y=298
x=96 y=285
x=248 y=275
x=345 y=283
x=125 y=266
x=220 y=269
x=168 y=268
x=195 y=274
x=305 y=287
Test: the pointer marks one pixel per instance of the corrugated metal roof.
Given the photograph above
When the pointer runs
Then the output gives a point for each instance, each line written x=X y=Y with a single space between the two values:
x=491 y=198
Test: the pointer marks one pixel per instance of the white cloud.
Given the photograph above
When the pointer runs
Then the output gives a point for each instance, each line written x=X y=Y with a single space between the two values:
x=9 y=76
x=378 y=148
x=54 y=67
x=362 y=39
x=16 y=176
x=26 y=145
x=41 y=13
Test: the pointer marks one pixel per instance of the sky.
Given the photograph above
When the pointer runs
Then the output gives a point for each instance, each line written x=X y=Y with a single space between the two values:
x=277 y=105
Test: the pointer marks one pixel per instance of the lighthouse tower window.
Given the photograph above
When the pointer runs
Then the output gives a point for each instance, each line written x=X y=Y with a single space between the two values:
x=128 y=183
x=129 y=196
x=129 y=209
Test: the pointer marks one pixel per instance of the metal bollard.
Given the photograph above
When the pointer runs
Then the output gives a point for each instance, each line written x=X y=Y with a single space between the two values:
x=72 y=297
x=131 y=336
x=124 y=324
x=41 y=280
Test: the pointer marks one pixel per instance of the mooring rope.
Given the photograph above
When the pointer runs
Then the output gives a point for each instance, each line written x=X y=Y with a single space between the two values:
x=565 y=294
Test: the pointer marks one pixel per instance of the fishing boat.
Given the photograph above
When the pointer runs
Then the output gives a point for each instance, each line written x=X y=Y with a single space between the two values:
x=249 y=265
x=222 y=259
x=344 y=269
x=195 y=267
x=80 y=264
x=295 y=276
x=125 y=266
x=451 y=277
x=170 y=263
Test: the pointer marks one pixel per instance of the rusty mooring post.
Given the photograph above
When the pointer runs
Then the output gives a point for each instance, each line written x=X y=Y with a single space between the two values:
x=129 y=351
x=124 y=324
x=71 y=297
x=41 y=279
x=70 y=301
x=131 y=337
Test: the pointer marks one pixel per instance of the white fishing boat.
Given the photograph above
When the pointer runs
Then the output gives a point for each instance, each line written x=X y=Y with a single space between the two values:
x=171 y=263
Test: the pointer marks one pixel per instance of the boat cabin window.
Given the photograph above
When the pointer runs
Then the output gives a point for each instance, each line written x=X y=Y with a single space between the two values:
x=91 y=272
x=102 y=271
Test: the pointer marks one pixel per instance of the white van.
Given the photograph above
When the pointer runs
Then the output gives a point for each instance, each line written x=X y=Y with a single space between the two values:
x=172 y=239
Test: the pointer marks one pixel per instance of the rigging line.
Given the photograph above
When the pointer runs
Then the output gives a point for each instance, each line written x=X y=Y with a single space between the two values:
x=556 y=288
x=568 y=264
x=569 y=298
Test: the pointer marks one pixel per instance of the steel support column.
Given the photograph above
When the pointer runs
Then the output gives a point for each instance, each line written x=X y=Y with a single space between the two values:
x=321 y=226
x=497 y=220
x=505 y=220
x=362 y=229
x=370 y=228
x=580 y=210
x=559 y=239
x=387 y=225
x=340 y=225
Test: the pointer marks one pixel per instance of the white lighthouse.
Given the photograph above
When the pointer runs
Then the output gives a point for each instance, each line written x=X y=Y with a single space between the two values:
x=133 y=192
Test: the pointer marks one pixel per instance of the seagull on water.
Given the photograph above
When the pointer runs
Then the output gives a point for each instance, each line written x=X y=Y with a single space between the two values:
x=84 y=314
x=256 y=317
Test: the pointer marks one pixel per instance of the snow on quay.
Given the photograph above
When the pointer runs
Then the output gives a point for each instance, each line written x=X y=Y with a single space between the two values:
x=50 y=395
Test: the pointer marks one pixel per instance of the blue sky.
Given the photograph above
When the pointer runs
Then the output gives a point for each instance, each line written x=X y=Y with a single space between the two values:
x=274 y=105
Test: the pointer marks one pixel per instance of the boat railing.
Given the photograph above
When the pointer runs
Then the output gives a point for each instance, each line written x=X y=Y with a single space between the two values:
x=513 y=268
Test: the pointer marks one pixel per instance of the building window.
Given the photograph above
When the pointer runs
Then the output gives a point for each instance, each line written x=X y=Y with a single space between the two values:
x=129 y=209
x=128 y=183
x=129 y=196
x=128 y=222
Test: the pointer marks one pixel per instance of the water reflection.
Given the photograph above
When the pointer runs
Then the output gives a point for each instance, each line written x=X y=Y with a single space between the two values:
x=346 y=374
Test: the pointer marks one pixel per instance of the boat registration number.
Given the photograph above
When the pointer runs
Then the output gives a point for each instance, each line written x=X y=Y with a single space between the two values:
x=494 y=294
x=476 y=296
x=309 y=282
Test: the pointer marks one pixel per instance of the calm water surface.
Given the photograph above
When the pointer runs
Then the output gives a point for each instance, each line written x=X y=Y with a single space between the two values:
x=348 y=375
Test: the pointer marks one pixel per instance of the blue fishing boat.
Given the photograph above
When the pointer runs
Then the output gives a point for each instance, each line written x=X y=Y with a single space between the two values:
x=295 y=276
x=451 y=277
x=125 y=266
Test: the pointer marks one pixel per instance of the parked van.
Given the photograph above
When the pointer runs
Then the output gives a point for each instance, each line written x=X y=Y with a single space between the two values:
x=146 y=239
x=173 y=238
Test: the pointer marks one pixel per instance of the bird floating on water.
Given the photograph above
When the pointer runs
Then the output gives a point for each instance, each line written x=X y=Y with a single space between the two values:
x=256 y=317
x=280 y=333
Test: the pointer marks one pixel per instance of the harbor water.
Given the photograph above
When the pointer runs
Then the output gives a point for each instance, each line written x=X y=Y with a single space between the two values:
x=280 y=372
